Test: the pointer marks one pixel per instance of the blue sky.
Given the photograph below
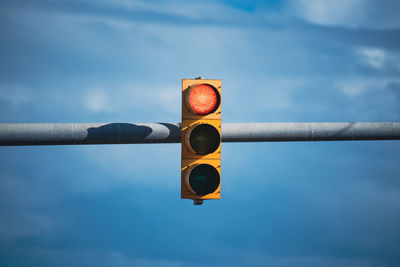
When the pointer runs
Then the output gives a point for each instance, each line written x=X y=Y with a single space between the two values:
x=283 y=204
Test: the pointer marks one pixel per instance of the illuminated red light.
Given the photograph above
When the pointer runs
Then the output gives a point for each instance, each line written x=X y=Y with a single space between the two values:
x=203 y=99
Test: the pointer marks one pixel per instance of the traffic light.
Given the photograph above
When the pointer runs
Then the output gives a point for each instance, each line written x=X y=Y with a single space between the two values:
x=201 y=140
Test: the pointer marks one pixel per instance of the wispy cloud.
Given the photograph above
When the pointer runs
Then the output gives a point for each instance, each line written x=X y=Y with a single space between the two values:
x=122 y=61
x=124 y=98
x=212 y=13
x=330 y=13
x=25 y=211
x=309 y=261
x=374 y=57
x=357 y=86
x=348 y=13
x=353 y=88
x=97 y=100
x=15 y=94
x=102 y=258
x=134 y=165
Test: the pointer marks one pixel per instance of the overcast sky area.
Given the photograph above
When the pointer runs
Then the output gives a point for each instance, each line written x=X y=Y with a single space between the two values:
x=282 y=204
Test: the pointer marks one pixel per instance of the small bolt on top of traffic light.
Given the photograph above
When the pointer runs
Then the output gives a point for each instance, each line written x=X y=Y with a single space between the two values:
x=201 y=140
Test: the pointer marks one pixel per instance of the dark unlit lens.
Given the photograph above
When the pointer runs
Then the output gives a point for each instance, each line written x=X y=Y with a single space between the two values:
x=204 y=139
x=204 y=179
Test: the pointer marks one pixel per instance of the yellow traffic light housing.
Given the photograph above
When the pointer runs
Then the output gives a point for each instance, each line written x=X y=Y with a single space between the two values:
x=201 y=140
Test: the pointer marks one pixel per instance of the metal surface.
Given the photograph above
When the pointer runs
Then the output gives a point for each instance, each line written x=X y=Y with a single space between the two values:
x=323 y=131
x=88 y=133
x=137 y=133
x=197 y=202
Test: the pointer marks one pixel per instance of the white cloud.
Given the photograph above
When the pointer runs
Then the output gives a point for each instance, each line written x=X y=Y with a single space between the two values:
x=307 y=260
x=348 y=13
x=352 y=88
x=358 y=86
x=168 y=98
x=133 y=98
x=97 y=100
x=277 y=99
x=374 y=57
x=93 y=257
x=126 y=165
x=15 y=94
x=21 y=211
x=325 y=12
x=278 y=93
x=196 y=10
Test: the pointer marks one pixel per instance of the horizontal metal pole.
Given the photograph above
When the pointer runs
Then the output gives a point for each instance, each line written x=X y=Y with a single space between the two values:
x=19 y=134
x=88 y=133
x=310 y=131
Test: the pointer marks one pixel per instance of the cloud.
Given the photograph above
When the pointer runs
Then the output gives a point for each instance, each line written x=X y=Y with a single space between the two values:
x=324 y=12
x=277 y=94
x=122 y=61
x=15 y=94
x=97 y=100
x=348 y=13
x=93 y=257
x=355 y=87
x=25 y=211
x=178 y=12
x=129 y=165
x=374 y=57
x=124 y=98
x=309 y=261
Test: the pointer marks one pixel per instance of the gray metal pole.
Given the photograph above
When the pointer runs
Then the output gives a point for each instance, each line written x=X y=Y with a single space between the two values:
x=298 y=131
x=138 y=133
x=88 y=133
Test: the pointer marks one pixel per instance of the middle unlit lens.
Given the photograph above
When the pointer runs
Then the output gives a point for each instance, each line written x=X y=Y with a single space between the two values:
x=204 y=139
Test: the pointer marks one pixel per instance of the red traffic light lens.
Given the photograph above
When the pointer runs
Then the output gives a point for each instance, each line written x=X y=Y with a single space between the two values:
x=203 y=99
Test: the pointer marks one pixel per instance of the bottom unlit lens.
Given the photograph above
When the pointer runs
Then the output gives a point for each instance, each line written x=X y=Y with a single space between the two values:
x=204 y=179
